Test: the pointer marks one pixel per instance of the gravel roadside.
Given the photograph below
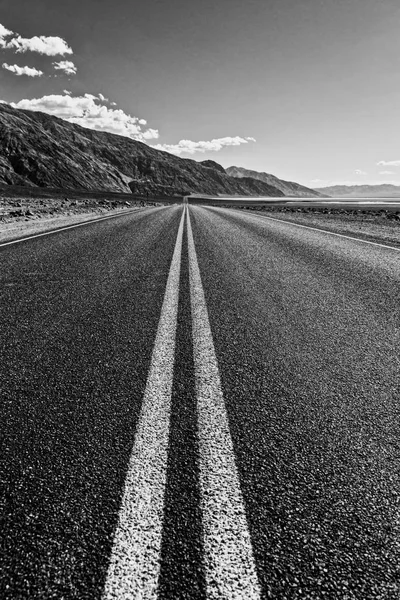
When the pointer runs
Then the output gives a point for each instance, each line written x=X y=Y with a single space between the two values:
x=372 y=225
x=25 y=215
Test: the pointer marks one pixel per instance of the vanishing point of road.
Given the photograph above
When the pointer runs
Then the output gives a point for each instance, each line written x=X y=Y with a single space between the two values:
x=199 y=403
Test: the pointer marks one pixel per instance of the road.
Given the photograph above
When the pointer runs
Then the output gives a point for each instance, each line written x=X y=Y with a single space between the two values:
x=199 y=403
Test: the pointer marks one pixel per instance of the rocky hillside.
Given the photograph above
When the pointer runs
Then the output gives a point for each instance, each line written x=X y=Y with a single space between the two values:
x=37 y=149
x=288 y=188
x=384 y=190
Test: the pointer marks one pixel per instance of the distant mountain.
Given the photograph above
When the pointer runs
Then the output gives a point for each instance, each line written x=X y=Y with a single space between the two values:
x=37 y=149
x=211 y=164
x=288 y=188
x=383 y=190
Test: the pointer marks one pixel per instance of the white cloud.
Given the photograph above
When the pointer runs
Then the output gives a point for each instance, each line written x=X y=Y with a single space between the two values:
x=359 y=172
x=190 y=147
x=387 y=173
x=67 y=66
x=85 y=111
x=106 y=100
x=67 y=92
x=388 y=163
x=48 y=45
x=4 y=32
x=29 y=71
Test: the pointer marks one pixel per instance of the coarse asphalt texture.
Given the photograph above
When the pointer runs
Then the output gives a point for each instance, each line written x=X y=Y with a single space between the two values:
x=305 y=328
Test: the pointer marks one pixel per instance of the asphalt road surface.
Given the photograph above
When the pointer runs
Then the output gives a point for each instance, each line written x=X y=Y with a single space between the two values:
x=199 y=403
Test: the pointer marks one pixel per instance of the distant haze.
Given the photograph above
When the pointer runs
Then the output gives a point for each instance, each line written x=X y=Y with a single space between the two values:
x=362 y=191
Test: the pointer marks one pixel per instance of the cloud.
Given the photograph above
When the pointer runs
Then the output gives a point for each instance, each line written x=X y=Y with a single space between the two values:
x=29 y=71
x=387 y=173
x=388 y=163
x=4 y=32
x=359 y=172
x=67 y=92
x=190 y=147
x=48 y=45
x=85 y=111
x=103 y=98
x=67 y=66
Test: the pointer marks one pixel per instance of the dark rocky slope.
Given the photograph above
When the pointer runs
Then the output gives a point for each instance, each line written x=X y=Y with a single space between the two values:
x=288 y=188
x=37 y=149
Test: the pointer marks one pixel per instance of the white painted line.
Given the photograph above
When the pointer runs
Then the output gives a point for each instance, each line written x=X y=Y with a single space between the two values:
x=135 y=561
x=348 y=237
x=88 y=222
x=229 y=563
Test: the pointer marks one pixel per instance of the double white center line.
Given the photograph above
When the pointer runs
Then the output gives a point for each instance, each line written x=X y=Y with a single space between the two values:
x=135 y=561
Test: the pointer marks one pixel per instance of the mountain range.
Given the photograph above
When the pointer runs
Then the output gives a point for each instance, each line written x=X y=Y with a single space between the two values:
x=384 y=190
x=289 y=188
x=40 y=150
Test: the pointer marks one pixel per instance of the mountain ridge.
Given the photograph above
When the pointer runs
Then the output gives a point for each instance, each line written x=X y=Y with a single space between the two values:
x=41 y=150
x=288 y=188
x=381 y=190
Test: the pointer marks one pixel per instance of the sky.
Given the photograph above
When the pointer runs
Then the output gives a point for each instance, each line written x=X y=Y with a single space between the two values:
x=308 y=90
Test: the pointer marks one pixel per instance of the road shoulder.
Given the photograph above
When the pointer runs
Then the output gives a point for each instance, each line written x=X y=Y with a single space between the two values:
x=17 y=229
x=365 y=225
